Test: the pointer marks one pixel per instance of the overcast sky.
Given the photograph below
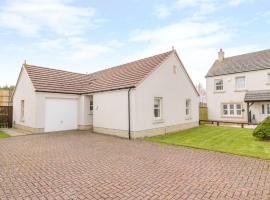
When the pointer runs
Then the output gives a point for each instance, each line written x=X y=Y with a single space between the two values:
x=86 y=36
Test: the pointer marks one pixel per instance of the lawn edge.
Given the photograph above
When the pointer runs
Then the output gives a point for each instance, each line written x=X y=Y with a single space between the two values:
x=200 y=148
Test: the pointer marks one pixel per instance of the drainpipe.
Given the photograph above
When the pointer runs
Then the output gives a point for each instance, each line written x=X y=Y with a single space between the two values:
x=129 y=132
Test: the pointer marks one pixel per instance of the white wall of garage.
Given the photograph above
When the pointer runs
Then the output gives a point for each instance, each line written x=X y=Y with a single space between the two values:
x=111 y=109
x=24 y=91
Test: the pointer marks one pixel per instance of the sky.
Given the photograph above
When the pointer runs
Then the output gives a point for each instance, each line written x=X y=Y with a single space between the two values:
x=85 y=36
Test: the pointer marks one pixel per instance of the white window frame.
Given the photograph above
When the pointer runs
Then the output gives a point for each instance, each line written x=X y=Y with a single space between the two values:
x=174 y=69
x=220 y=85
x=188 y=107
x=268 y=78
x=22 y=110
x=237 y=88
x=91 y=105
x=158 y=107
x=265 y=109
x=232 y=110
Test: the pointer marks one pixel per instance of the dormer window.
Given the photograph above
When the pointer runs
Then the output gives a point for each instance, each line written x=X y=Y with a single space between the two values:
x=219 y=85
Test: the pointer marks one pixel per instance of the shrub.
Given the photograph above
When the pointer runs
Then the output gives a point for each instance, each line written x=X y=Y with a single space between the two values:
x=263 y=129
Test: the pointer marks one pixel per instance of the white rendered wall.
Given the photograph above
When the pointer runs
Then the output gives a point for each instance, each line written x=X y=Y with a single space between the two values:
x=85 y=117
x=256 y=80
x=24 y=91
x=174 y=88
x=111 y=110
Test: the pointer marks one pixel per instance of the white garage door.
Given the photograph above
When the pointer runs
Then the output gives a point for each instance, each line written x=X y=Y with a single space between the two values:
x=61 y=114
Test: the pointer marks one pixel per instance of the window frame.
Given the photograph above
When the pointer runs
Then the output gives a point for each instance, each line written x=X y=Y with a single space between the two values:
x=188 y=107
x=236 y=85
x=159 y=108
x=232 y=110
x=221 y=85
x=265 y=109
x=91 y=106
x=22 y=110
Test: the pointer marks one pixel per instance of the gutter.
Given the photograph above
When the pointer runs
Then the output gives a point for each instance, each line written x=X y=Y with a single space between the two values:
x=129 y=118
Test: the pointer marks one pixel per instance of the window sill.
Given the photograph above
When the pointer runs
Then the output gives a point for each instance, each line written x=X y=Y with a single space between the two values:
x=158 y=121
x=240 y=90
x=188 y=118
x=223 y=116
x=22 y=120
x=221 y=91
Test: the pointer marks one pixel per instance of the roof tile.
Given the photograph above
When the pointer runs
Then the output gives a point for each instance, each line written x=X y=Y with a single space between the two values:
x=242 y=63
x=122 y=76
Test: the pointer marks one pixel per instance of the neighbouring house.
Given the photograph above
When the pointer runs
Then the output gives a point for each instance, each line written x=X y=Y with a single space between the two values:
x=238 y=87
x=146 y=97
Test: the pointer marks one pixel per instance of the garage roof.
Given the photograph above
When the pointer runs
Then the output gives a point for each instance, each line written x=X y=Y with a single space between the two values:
x=119 y=77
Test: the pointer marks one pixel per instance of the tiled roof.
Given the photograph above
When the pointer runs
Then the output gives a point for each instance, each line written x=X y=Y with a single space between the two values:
x=259 y=95
x=242 y=63
x=119 y=77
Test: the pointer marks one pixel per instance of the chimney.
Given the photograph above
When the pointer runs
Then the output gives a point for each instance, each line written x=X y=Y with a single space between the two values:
x=221 y=55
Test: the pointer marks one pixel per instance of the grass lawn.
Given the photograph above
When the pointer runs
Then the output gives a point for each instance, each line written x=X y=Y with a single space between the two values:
x=3 y=135
x=217 y=138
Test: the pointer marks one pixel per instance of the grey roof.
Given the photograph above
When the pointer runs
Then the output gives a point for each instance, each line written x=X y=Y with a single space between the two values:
x=242 y=63
x=259 y=95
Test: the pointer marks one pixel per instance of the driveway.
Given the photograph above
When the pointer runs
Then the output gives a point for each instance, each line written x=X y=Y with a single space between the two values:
x=81 y=165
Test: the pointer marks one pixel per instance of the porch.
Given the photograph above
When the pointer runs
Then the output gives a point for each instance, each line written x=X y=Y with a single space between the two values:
x=258 y=105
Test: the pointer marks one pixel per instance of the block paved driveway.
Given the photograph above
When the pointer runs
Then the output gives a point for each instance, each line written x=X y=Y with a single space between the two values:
x=81 y=165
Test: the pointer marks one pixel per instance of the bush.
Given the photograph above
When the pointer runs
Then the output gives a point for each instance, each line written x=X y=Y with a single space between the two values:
x=263 y=129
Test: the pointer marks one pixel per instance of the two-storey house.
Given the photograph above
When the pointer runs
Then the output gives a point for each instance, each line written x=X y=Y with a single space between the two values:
x=238 y=87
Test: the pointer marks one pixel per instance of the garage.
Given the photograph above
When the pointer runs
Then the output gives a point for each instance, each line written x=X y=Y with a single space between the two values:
x=61 y=114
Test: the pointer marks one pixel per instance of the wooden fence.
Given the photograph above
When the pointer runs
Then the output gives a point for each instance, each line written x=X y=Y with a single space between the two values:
x=5 y=97
x=6 y=116
x=6 y=109
x=203 y=112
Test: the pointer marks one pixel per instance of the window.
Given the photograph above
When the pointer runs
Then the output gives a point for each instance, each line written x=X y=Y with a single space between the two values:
x=91 y=105
x=266 y=109
x=268 y=77
x=232 y=110
x=240 y=83
x=188 y=107
x=219 y=85
x=157 y=107
x=174 y=69
x=22 y=110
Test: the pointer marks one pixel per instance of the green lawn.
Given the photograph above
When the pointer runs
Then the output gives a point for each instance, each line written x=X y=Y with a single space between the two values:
x=225 y=139
x=3 y=135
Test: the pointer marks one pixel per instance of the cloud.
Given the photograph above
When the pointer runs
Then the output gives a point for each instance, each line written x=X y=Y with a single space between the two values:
x=201 y=7
x=162 y=11
x=197 y=43
x=78 y=48
x=238 y=2
x=31 y=17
